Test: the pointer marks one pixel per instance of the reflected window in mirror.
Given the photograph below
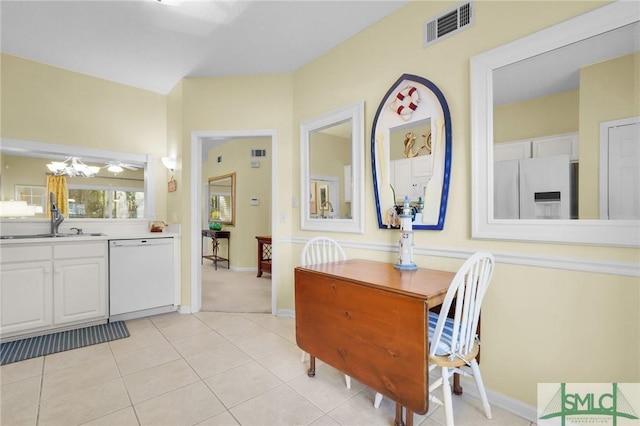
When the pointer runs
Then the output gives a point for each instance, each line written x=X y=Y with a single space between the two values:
x=222 y=198
x=332 y=169
x=411 y=153
x=565 y=146
x=106 y=195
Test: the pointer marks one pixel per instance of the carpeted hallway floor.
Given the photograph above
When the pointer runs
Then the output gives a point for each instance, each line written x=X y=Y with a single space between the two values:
x=225 y=290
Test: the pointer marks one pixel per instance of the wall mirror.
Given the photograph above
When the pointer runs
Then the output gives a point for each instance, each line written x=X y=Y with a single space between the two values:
x=411 y=153
x=222 y=199
x=580 y=107
x=120 y=188
x=332 y=171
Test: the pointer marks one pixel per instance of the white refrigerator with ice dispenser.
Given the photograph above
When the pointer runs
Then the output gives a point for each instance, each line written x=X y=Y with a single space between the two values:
x=533 y=188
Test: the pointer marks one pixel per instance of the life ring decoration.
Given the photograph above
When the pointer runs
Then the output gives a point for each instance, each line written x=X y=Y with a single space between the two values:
x=406 y=102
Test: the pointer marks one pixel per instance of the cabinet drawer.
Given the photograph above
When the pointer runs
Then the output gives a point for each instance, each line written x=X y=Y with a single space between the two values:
x=79 y=250
x=25 y=252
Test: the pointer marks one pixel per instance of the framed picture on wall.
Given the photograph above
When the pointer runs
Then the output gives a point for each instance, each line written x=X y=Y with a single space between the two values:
x=323 y=194
x=313 y=206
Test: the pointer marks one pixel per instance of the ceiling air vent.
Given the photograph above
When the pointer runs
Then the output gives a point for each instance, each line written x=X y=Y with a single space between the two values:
x=258 y=153
x=448 y=23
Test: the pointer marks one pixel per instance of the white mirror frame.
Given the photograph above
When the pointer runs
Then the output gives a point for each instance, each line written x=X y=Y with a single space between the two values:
x=355 y=113
x=624 y=233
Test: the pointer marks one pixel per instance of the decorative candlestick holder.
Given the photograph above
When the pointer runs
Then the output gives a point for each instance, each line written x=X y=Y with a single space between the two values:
x=405 y=256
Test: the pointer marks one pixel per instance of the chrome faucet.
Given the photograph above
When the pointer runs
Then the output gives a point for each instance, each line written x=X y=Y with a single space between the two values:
x=56 y=216
x=324 y=207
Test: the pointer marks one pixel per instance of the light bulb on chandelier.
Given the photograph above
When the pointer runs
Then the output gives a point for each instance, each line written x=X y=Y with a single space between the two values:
x=72 y=166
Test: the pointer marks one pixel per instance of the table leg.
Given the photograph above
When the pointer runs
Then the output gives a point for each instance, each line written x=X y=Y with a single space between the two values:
x=260 y=248
x=312 y=366
x=214 y=247
x=398 y=421
x=457 y=389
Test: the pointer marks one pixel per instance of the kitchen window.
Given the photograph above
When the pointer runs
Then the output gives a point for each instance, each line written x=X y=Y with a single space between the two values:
x=106 y=203
x=33 y=195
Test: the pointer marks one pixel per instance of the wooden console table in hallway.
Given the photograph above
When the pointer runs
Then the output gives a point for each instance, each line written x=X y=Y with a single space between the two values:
x=370 y=321
x=264 y=255
x=216 y=236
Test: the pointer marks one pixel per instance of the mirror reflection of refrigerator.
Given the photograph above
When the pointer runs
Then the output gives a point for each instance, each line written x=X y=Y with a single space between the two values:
x=533 y=188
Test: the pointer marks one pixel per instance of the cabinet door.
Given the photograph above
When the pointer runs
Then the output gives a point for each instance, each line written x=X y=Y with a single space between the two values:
x=80 y=290
x=401 y=178
x=512 y=150
x=25 y=296
x=556 y=145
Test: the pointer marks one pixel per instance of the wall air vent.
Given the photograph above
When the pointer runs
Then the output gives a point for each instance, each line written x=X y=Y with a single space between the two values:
x=258 y=153
x=448 y=23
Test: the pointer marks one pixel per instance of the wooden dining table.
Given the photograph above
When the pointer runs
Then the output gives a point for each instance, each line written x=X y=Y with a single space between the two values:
x=370 y=321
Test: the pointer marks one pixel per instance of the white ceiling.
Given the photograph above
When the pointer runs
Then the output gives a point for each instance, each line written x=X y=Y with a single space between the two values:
x=559 y=70
x=152 y=46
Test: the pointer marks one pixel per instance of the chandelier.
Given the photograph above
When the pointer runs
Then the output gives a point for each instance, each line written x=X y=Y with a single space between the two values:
x=72 y=166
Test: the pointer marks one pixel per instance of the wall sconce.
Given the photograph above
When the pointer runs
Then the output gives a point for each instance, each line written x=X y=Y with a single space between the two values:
x=170 y=163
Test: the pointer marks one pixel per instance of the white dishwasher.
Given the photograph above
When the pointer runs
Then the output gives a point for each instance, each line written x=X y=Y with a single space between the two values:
x=140 y=277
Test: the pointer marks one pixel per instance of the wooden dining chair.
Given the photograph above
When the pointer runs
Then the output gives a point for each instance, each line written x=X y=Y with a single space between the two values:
x=453 y=341
x=322 y=250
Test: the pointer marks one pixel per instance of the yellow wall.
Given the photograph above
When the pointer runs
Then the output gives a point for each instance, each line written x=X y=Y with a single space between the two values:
x=544 y=116
x=539 y=324
x=48 y=104
x=228 y=104
x=328 y=154
x=616 y=84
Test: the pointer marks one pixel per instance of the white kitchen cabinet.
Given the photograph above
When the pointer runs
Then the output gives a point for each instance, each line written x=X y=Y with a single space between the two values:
x=548 y=146
x=80 y=291
x=556 y=145
x=48 y=286
x=512 y=150
x=25 y=295
x=410 y=176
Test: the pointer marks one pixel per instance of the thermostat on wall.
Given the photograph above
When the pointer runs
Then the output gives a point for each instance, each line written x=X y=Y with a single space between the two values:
x=255 y=202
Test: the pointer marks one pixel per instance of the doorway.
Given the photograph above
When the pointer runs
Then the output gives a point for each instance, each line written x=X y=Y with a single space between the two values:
x=198 y=141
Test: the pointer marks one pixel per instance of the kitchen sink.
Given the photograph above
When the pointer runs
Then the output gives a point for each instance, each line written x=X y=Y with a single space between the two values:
x=21 y=237
x=84 y=234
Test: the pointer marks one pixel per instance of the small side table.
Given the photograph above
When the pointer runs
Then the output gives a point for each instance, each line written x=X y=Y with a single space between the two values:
x=264 y=255
x=215 y=243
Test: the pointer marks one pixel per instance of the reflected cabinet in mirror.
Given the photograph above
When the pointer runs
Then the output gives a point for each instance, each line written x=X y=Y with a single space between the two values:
x=332 y=171
x=556 y=133
x=222 y=199
x=411 y=154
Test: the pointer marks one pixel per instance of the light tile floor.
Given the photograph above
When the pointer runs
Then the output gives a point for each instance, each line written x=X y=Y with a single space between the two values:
x=209 y=369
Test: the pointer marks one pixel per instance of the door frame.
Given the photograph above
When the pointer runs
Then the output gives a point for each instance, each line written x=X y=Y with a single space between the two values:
x=196 y=206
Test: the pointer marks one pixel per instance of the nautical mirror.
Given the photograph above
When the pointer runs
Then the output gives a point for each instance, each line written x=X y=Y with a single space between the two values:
x=411 y=153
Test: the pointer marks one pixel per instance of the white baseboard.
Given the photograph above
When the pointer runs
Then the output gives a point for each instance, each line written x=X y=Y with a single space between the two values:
x=507 y=403
x=289 y=313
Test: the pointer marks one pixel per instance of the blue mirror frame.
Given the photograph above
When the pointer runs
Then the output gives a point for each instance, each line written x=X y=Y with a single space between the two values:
x=431 y=101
